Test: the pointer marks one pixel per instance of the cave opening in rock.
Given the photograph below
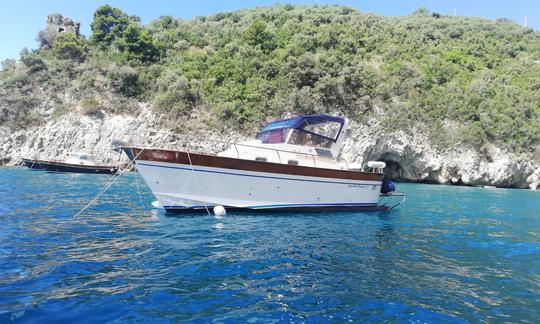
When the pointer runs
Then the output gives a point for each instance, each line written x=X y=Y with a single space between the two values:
x=393 y=170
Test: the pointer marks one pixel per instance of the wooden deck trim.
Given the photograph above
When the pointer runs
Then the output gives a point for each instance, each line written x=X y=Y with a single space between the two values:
x=214 y=161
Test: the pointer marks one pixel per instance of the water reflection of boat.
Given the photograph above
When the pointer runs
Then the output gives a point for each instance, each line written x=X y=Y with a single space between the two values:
x=76 y=162
x=292 y=164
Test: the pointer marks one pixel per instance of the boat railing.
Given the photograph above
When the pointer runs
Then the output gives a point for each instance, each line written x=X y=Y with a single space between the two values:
x=186 y=141
x=388 y=201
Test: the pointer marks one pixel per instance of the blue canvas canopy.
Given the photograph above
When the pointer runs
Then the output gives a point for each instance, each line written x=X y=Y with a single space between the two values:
x=303 y=124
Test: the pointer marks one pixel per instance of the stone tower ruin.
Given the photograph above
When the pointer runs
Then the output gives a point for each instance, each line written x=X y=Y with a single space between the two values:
x=61 y=24
x=57 y=24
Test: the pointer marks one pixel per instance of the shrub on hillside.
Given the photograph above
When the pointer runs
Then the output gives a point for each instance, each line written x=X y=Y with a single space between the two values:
x=137 y=45
x=69 y=47
x=178 y=99
x=170 y=103
x=90 y=107
x=17 y=81
x=257 y=34
x=8 y=64
x=124 y=80
x=45 y=38
x=17 y=110
x=34 y=63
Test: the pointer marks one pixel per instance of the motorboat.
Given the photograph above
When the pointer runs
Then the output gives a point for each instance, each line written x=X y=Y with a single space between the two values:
x=75 y=162
x=291 y=165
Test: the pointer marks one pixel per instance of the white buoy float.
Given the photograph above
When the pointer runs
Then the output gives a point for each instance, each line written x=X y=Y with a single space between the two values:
x=220 y=211
x=156 y=204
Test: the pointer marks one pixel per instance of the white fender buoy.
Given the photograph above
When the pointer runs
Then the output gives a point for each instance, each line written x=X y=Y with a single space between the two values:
x=376 y=164
x=156 y=204
x=220 y=211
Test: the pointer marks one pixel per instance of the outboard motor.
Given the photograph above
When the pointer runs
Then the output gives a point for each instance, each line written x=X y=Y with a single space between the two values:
x=387 y=186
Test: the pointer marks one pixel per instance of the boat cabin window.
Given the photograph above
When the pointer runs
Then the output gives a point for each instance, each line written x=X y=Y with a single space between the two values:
x=327 y=129
x=80 y=156
x=274 y=136
x=299 y=137
x=316 y=134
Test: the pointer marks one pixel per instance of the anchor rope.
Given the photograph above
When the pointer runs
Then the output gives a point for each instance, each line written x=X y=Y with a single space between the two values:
x=106 y=187
x=138 y=190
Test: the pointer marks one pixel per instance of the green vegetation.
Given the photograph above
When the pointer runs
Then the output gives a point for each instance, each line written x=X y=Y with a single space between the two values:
x=90 y=107
x=34 y=63
x=458 y=79
x=109 y=23
x=69 y=47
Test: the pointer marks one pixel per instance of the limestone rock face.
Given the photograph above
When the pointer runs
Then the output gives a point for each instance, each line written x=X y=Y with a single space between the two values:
x=408 y=157
x=70 y=133
x=76 y=133
x=412 y=158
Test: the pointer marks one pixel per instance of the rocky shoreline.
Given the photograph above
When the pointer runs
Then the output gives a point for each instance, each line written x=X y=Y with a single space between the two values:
x=408 y=157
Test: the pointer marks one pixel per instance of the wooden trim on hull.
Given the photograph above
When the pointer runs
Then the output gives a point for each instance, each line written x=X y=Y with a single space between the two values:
x=317 y=209
x=206 y=160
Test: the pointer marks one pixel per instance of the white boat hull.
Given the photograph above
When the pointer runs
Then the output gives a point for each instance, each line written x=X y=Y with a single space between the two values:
x=182 y=187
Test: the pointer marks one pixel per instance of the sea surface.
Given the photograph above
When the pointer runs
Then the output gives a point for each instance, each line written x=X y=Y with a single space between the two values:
x=448 y=255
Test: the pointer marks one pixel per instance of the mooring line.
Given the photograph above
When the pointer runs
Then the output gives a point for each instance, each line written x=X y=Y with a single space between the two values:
x=115 y=176
x=138 y=190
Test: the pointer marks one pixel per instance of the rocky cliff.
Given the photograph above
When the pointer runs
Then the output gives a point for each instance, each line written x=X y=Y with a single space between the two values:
x=440 y=99
x=409 y=157
x=90 y=134
x=413 y=158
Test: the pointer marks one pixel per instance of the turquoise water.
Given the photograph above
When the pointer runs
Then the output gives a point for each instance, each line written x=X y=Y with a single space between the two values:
x=449 y=254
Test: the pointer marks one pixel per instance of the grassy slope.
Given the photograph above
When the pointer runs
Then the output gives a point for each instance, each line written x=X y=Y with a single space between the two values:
x=480 y=76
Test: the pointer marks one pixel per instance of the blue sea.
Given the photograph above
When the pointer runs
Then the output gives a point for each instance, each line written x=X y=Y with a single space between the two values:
x=448 y=255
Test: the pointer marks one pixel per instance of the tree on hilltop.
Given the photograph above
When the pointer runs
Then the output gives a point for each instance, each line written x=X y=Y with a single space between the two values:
x=136 y=44
x=108 y=24
x=69 y=46
x=258 y=35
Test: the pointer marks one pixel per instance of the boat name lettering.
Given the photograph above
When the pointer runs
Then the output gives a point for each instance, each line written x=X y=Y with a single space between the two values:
x=160 y=155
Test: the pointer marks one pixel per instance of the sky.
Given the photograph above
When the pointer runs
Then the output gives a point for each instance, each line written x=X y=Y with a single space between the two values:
x=20 y=21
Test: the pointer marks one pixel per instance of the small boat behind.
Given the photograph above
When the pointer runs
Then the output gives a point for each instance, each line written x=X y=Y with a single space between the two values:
x=75 y=163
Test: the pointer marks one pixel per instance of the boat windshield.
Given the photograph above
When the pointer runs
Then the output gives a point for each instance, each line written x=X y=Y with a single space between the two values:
x=316 y=135
x=274 y=136
x=328 y=129
x=80 y=156
x=306 y=131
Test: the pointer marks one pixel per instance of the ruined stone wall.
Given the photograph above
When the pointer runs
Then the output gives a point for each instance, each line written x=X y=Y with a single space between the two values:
x=56 y=23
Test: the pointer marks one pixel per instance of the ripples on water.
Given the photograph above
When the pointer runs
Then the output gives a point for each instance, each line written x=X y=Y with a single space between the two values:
x=450 y=254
